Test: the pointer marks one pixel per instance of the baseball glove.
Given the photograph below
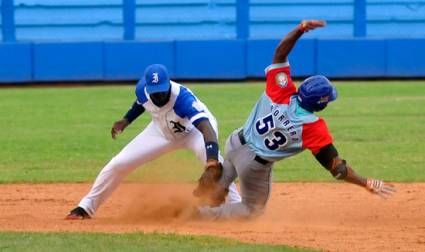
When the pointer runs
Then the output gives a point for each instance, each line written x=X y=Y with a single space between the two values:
x=207 y=183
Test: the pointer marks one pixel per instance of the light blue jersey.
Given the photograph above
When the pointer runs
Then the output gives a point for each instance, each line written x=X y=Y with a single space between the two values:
x=274 y=131
x=278 y=127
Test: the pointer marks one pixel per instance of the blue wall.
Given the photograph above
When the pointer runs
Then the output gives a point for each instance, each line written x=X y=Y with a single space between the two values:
x=209 y=19
x=47 y=40
x=212 y=59
x=71 y=20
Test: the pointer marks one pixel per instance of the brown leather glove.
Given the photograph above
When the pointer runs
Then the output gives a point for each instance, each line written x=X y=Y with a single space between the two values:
x=208 y=180
x=218 y=195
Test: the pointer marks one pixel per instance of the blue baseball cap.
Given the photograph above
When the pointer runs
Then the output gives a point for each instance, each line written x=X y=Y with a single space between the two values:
x=315 y=93
x=157 y=79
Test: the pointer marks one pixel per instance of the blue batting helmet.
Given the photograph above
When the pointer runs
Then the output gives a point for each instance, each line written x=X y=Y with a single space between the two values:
x=315 y=92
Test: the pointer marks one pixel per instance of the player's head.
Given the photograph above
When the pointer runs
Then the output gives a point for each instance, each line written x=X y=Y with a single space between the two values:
x=315 y=93
x=158 y=84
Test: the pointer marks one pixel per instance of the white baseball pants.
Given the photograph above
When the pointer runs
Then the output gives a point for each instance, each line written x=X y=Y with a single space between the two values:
x=147 y=146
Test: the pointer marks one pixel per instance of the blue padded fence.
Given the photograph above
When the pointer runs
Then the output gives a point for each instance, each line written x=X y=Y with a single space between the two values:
x=212 y=59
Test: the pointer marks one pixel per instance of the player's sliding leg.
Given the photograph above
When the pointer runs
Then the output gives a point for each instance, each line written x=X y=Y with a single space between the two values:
x=195 y=142
x=255 y=183
x=148 y=145
x=228 y=210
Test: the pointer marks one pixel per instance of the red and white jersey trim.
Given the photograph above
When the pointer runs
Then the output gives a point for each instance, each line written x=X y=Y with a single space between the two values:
x=280 y=86
x=274 y=66
x=316 y=136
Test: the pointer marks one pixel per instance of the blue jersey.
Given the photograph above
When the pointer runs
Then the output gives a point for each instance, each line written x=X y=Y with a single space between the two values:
x=179 y=116
x=278 y=127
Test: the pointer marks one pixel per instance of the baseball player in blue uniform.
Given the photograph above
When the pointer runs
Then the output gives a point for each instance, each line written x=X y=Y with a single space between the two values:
x=281 y=125
x=179 y=121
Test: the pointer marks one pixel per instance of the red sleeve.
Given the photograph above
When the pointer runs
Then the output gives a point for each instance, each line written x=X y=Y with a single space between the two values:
x=280 y=86
x=316 y=135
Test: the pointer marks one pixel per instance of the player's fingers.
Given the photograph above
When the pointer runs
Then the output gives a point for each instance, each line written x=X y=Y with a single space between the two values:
x=390 y=188
x=321 y=23
x=311 y=27
x=389 y=185
x=388 y=191
x=383 y=195
x=316 y=23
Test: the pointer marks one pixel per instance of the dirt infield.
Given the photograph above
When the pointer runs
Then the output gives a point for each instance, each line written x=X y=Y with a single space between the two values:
x=335 y=217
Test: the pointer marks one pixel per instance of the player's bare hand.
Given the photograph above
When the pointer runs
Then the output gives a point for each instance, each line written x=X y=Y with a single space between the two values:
x=308 y=25
x=118 y=127
x=380 y=188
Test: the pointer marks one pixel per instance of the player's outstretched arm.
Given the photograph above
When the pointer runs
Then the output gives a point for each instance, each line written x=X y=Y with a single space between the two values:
x=340 y=169
x=376 y=186
x=134 y=112
x=213 y=170
x=285 y=46
x=210 y=139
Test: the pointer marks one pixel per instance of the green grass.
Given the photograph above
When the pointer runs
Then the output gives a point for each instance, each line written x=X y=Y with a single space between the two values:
x=63 y=134
x=33 y=242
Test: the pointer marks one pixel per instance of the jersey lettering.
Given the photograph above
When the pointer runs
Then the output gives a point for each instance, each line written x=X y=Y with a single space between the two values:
x=276 y=142
x=275 y=131
x=177 y=127
x=264 y=124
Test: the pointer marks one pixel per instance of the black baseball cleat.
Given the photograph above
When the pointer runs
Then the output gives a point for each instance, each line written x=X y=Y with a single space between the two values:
x=78 y=213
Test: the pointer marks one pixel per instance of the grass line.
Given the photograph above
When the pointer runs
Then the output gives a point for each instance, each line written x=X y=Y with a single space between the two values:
x=13 y=241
